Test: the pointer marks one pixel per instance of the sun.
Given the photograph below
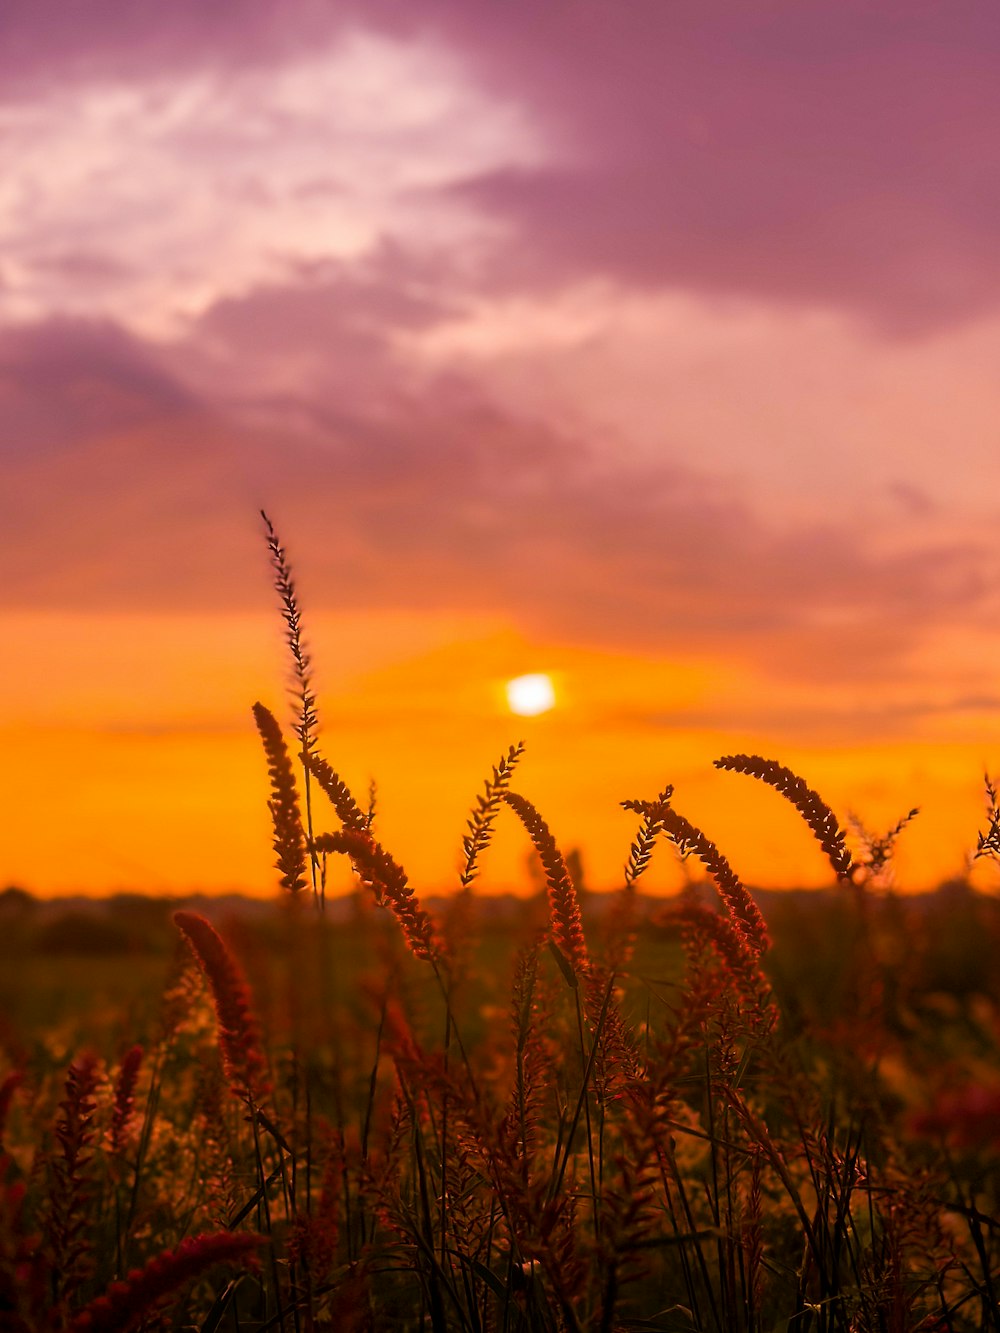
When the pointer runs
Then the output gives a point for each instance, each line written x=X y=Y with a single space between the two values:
x=530 y=695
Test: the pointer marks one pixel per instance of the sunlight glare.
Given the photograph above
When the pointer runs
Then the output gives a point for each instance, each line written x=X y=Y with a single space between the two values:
x=530 y=695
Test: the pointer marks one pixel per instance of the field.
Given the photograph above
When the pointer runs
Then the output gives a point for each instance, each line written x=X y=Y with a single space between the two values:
x=567 y=1112
x=821 y=1149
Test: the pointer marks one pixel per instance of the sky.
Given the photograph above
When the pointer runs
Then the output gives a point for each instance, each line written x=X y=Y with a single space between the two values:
x=650 y=346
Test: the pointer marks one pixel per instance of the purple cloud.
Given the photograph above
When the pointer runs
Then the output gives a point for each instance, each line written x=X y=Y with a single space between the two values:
x=437 y=499
x=830 y=153
x=833 y=154
x=67 y=380
x=824 y=154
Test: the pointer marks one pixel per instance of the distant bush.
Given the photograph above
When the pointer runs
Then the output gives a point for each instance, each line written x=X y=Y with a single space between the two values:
x=86 y=933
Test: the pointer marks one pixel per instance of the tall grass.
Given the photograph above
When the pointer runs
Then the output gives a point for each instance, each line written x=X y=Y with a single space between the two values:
x=405 y=1121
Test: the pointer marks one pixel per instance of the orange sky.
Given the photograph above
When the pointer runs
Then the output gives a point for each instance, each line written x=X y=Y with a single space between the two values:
x=606 y=342
x=132 y=761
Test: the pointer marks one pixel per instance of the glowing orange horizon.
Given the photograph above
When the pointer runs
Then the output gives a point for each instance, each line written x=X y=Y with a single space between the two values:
x=140 y=767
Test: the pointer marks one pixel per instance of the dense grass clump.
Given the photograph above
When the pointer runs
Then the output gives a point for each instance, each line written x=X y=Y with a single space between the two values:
x=588 y=1115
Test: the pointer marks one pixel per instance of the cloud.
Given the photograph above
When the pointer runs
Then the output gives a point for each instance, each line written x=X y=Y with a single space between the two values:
x=324 y=334
x=67 y=380
x=212 y=177
x=432 y=497
x=833 y=154
x=46 y=41
x=830 y=155
x=852 y=716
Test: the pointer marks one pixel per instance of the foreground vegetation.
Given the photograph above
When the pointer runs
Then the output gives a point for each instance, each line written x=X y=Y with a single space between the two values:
x=645 y=1117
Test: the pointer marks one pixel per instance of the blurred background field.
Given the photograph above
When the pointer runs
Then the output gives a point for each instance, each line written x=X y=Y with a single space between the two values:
x=874 y=1064
x=92 y=971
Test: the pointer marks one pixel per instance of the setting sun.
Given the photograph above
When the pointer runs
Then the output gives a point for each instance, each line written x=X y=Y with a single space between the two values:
x=530 y=695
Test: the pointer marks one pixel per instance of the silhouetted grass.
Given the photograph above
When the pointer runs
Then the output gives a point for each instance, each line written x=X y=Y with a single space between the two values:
x=583 y=1115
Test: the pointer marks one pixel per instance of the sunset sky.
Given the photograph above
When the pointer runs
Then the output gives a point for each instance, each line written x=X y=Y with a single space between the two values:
x=654 y=346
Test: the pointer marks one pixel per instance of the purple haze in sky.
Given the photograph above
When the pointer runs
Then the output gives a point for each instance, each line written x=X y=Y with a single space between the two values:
x=658 y=324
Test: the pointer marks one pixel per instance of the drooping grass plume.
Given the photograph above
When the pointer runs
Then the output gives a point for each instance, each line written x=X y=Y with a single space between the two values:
x=148 y=1290
x=745 y=913
x=564 y=905
x=641 y=850
x=484 y=813
x=621 y=933
x=810 y=805
x=388 y=881
x=727 y=942
x=239 y=1035
x=708 y=934
x=286 y=819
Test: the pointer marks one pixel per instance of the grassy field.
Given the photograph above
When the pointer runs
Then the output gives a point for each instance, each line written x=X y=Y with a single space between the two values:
x=670 y=1143
x=577 y=1113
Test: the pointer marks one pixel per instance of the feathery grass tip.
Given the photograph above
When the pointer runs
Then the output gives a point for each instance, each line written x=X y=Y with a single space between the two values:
x=302 y=690
x=484 y=813
x=988 y=843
